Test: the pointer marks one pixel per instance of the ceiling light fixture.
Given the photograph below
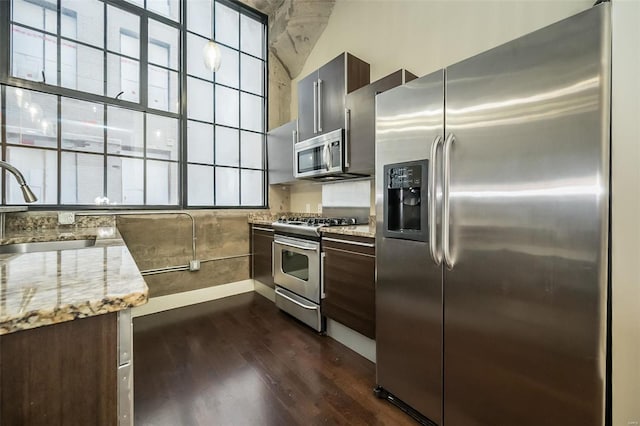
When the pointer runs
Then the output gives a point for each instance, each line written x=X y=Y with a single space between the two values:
x=212 y=56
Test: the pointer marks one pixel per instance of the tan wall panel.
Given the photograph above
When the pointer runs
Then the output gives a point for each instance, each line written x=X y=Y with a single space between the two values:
x=625 y=214
x=210 y=274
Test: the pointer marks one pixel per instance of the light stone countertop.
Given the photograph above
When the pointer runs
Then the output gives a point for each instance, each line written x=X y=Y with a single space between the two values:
x=38 y=289
x=355 y=230
x=257 y=221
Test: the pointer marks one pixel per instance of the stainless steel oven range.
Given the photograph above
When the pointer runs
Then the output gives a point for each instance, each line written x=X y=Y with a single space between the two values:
x=297 y=267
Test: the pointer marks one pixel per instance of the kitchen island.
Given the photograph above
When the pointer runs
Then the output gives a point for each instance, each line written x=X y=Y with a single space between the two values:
x=65 y=329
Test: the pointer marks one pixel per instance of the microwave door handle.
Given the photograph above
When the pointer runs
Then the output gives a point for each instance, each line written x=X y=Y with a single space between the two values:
x=326 y=156
x=315 y=107
x=347 y=134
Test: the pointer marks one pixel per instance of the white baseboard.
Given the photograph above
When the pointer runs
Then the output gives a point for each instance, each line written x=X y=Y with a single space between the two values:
x=178 y=300
x=352 y=339
x=265 y=291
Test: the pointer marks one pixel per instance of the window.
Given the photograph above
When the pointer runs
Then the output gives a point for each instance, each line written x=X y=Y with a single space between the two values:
x=109 y=103
x=226 y=117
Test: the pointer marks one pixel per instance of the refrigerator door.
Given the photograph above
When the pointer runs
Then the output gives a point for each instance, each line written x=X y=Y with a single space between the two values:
x=408 y=283
x=526 y=300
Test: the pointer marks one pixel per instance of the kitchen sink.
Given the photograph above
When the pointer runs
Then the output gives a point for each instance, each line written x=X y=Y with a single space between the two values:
x=46 y=246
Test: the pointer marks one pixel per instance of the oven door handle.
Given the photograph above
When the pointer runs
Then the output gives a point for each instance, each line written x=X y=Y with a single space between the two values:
x=296 y=246
x=311 y=308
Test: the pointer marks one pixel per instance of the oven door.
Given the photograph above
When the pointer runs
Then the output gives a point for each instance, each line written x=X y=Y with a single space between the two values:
x=296 y=266
x=319 y=156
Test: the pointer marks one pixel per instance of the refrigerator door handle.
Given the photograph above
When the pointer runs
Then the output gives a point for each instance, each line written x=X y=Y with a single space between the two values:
x=446 y=176
x=431 y=219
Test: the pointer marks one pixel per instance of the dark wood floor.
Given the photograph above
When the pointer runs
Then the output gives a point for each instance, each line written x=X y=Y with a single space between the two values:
x=240 y=361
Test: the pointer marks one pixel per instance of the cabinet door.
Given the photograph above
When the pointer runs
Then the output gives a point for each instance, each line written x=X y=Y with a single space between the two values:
x=280 y=153
x=61 y=374
x=331 y=93
x=360 y=146
x=349 y=286
x=306 y=106
x=261 y=242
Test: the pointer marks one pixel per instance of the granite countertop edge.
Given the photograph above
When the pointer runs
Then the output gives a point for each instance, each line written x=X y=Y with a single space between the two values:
x=126 y=285
x=354 y=230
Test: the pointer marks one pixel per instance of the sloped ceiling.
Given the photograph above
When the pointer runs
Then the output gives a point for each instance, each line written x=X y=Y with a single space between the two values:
x=294 y=28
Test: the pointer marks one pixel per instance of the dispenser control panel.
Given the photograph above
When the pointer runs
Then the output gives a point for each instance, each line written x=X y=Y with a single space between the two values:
x=405 y=200
x=405 y=177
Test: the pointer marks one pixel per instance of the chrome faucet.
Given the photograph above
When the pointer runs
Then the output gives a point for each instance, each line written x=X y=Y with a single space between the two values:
x=28 y=195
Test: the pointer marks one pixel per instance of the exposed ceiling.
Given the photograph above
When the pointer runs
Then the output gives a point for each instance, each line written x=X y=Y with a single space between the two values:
x=294 y=28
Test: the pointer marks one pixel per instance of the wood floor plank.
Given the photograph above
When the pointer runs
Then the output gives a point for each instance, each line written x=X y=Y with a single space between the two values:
x=240 y=361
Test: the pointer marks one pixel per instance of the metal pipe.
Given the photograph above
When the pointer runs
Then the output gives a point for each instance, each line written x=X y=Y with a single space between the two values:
x=147 y=213
x=178 y=268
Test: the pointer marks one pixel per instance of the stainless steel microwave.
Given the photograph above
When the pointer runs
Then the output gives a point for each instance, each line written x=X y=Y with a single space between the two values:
x=319 y=156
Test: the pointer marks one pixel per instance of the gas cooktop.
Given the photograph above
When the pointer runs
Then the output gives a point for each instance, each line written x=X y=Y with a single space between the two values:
x=310 y=226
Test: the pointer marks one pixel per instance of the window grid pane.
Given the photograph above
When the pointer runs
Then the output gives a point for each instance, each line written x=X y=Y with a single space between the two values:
x=110 y=153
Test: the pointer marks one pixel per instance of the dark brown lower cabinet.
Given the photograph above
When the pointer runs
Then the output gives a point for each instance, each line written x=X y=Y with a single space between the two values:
x=61 y=374
x=261 y=248
x=349 y=282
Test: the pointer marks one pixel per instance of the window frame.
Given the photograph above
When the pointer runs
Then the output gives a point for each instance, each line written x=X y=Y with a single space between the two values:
x=6 y=80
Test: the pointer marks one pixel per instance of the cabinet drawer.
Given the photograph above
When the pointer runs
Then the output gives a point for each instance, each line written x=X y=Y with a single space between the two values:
x=262 y=254
x=349 y=285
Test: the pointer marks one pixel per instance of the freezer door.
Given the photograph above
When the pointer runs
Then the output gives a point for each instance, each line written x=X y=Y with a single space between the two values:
x=525 y=303
x=408 y=283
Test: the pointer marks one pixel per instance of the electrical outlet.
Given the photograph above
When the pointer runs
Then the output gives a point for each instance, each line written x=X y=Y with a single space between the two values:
x=319 y=207
x=194 y=265
x=307 y=208
x=66 y=218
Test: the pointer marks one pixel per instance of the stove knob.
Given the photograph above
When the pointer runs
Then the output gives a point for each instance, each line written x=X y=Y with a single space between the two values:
x=351 y=221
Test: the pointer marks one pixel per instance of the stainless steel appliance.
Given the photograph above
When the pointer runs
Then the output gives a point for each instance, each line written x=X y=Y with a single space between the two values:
x=322 y=158
x=297 y=263
x=318 y=156
x=499 y=315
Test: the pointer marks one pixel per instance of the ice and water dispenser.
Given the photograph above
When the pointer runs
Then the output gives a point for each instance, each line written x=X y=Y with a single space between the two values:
x=405 y=200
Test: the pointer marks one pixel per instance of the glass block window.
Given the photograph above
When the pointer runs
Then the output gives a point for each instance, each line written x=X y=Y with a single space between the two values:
x=109 y=103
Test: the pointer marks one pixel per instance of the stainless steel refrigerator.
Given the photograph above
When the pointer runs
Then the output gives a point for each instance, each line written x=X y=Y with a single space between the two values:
x=492 y=201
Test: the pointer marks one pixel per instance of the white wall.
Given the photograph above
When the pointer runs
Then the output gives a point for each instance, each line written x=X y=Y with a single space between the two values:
x=625 y=220
x=425 y=35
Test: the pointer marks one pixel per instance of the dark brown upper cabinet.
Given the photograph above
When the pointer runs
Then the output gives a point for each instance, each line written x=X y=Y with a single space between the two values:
x=321 y=95
x=280 y=143
x=361 y=121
